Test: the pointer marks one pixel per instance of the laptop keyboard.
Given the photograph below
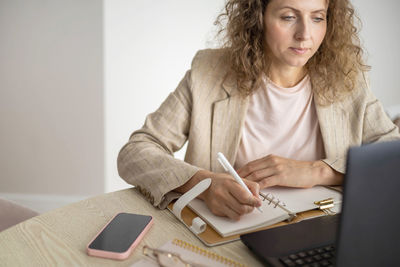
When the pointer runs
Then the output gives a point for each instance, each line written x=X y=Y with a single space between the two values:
x=317 y=257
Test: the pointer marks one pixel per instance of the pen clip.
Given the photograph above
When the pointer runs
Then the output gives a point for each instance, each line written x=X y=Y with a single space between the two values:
x=222 y=163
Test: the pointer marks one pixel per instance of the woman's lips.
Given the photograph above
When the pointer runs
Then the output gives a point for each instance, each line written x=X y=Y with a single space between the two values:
x=299 y=51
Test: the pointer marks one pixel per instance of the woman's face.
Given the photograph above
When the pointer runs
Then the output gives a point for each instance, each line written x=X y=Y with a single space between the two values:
x=294 y=30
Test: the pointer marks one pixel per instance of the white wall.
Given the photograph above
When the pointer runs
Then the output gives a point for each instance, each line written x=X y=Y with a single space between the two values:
x=149 y=45
x=51 y=99
x=381 y=36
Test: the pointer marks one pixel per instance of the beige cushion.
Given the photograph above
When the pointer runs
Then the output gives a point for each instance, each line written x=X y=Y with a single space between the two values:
x=11 y=214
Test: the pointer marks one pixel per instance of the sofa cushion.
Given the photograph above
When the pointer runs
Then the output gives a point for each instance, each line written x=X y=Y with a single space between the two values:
x=12 y=213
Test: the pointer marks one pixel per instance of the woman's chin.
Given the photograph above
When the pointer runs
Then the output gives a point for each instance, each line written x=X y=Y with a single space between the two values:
x=298 y=63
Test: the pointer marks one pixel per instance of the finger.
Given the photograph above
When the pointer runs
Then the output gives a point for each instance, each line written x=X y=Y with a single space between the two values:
x=221 y=207
x=269 y=182
x=253 y=186
x=222 y=203
x=244 y=171
x=239 y=198
x=256 y=165
x=259 y=175
x=251 y=167
x=242 y=196
x=238 y=207
x=231 y=212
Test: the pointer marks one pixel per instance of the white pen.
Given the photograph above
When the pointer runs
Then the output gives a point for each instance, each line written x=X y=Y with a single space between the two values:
x=228 y=167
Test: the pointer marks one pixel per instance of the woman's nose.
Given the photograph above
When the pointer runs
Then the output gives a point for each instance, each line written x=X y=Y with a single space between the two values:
x=302 y=31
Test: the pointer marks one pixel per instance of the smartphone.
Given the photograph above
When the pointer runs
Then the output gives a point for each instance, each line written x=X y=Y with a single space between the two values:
x=120 y=236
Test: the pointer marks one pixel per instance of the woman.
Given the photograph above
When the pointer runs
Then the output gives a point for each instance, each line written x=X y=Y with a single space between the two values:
x=283 y=100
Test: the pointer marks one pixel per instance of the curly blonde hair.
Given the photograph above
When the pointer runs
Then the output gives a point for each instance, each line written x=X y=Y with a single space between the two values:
x=334 y=69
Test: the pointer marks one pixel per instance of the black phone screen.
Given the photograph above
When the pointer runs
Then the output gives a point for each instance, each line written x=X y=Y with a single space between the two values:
x=121 y=232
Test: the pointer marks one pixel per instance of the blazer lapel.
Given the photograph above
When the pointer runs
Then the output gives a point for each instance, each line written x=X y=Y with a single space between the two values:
x=228 y=119
x=334 y=125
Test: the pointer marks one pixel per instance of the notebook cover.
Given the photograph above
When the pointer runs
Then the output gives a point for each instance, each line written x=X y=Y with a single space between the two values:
x=211 y=238
x=295 y=200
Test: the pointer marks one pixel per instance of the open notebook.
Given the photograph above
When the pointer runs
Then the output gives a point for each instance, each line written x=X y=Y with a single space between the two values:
x=279 y=204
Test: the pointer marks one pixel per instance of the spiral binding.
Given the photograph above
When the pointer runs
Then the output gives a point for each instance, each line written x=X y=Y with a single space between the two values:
x=272 y=200
x=206 y=253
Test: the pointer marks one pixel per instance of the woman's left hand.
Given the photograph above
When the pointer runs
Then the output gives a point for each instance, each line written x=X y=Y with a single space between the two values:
x=274 y=170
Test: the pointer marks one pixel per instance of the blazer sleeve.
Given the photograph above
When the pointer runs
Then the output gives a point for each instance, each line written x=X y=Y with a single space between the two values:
x=376 y=126
x=147 y=160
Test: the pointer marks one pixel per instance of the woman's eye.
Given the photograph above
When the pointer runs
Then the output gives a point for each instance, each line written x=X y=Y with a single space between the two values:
x=288 y=18
x=318 y=19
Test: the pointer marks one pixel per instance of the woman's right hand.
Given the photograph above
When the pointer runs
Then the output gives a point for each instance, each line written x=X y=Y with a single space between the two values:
x=225 y=197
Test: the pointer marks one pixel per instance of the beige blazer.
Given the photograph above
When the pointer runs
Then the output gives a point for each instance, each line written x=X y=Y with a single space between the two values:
x=207 y=110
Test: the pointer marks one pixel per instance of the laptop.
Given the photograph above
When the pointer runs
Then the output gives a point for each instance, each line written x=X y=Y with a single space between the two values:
x=366 y=233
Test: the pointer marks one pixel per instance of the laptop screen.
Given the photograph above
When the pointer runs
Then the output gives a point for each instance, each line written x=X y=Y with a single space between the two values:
x=369 y=231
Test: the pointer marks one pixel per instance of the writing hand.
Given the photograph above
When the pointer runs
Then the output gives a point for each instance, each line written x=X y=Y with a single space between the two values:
x=225 y=197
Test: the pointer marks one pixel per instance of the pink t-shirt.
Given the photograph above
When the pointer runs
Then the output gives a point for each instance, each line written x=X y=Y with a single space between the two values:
x=283 y=122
